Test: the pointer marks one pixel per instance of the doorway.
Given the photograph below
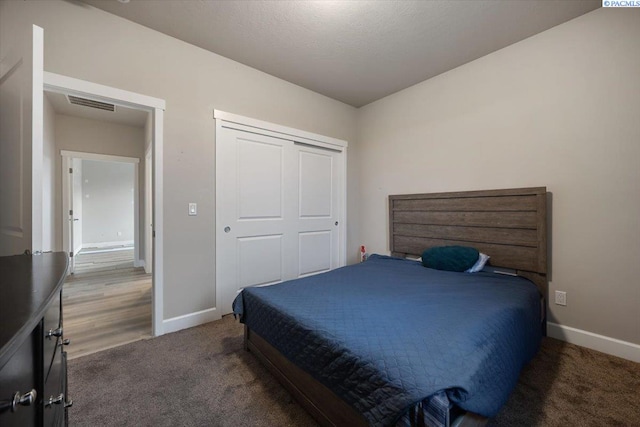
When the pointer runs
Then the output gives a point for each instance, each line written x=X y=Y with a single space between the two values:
x=59 y=84
x=101 y=206
x=107 y=295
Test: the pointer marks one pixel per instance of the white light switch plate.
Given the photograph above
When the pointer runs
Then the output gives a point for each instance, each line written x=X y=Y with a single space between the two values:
x=193 y=209
x=561 y=298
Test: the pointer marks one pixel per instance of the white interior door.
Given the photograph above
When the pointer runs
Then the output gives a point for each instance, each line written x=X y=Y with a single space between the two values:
x=72 y=211
x=72 y=202
x=252 y=239
x=278 y=207
x=21 y=142
x=318 y=213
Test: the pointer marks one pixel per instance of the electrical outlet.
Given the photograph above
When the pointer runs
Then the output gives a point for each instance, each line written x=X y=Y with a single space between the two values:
x=561 y=298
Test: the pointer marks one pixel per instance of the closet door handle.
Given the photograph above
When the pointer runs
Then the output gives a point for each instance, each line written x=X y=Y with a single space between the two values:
x=227 y=229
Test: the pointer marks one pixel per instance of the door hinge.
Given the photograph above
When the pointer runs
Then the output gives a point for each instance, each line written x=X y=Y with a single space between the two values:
x=70 y=254
x=70 y=170
x=70 y=211
x=153 y=234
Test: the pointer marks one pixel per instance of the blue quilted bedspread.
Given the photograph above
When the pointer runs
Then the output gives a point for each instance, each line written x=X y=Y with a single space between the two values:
x=387 y=333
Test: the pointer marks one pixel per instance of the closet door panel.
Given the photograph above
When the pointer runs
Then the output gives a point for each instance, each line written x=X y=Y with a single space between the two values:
x=314 y=252
x=260 y=176
x=316 y=174
x=251 y=227
x=317 y=222
x=259 y=260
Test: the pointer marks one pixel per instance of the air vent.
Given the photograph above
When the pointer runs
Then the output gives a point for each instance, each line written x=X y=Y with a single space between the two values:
x=76 y=100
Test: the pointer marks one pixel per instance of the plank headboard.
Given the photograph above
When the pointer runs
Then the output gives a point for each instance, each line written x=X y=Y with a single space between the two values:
x=509 y=225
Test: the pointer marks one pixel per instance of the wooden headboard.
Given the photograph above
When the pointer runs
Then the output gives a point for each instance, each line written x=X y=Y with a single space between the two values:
x=509 y=225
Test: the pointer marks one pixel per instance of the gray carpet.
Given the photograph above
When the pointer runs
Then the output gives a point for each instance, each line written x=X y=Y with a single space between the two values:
x=203 y=377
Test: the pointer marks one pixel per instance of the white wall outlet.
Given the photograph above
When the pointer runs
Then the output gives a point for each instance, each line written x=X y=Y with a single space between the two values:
x=193 y=209
x=561 y=298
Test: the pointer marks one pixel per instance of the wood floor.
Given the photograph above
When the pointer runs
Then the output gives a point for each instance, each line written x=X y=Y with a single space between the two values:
x=106 y=303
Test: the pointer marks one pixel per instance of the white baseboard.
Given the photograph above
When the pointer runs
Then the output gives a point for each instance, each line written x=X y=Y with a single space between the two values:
x=612 y=346
x=107 y=244
x=190 y=320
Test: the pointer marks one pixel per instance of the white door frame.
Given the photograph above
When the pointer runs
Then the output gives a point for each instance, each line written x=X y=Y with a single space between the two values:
x=148 y=210
x=67 y=193
x=68 y=85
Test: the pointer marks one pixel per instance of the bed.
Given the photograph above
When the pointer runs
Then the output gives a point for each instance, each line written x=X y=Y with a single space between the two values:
x=390 y=342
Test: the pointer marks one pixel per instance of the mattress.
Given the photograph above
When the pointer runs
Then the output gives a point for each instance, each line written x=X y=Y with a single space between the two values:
x=389 y=334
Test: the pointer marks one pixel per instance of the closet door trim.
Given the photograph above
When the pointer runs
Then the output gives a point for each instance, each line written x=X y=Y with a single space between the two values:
x=247 y=124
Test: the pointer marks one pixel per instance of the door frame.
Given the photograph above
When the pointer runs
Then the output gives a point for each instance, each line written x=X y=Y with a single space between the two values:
x=148 y=210
x=67 y=193
x=67 y=85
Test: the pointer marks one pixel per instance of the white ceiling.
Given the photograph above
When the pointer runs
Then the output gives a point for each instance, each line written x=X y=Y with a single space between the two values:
x=352 y=51
x=122 y=115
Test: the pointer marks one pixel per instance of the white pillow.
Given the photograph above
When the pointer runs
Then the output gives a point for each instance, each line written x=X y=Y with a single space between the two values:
x=479 y=265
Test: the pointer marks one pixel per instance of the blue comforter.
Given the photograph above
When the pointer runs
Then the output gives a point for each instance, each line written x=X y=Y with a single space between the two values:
x=387 y=333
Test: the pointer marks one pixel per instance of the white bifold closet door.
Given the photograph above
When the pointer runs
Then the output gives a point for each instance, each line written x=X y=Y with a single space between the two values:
x=278 y=211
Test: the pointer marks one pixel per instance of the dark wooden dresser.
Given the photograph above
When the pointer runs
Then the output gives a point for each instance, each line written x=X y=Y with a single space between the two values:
x=33 y=363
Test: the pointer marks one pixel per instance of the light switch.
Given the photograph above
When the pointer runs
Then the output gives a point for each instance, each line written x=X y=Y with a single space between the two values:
x=193 y=209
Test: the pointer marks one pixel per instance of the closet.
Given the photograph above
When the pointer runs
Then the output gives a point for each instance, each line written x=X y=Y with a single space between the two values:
x=280 y=204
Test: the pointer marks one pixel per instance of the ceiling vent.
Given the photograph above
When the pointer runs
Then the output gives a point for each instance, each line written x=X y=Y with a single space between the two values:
x=76 y=100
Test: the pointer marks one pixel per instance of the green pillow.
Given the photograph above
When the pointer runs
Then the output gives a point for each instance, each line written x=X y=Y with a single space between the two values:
x=450 y=258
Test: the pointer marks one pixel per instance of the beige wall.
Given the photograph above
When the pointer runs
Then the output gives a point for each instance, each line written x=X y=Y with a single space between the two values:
x=89 y=44
x=95 y=136
x=560 y=109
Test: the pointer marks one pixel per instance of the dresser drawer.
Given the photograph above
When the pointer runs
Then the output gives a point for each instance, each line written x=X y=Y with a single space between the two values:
x=52 y=330
x=54 y=392
x=65 y=388
x=19 y=375
x=53 y=398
